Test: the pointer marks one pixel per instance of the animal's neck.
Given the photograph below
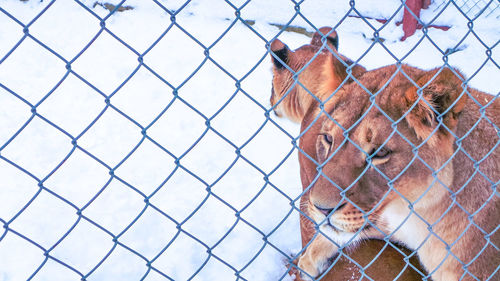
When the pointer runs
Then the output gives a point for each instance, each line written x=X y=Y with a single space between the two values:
x=477 y=143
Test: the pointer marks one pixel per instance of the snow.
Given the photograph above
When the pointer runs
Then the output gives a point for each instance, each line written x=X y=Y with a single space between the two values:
x=215 y=197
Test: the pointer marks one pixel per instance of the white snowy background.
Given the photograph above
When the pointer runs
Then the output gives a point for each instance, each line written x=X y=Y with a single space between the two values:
x=111 y=192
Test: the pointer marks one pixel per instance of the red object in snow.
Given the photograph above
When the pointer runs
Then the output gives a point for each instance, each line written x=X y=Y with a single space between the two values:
x=419 y=26
x=410 y=22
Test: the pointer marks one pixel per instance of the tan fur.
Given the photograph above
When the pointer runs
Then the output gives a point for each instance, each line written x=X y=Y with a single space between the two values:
x=324 y=77
x=432 y=202
x=292 y=99
x=313 y=258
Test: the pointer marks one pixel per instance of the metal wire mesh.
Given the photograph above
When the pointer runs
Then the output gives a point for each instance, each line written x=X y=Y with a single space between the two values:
x=473 y=8
x=470 y=9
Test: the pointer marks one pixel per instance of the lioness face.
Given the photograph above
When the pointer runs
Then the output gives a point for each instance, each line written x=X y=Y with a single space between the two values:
x=366 y=164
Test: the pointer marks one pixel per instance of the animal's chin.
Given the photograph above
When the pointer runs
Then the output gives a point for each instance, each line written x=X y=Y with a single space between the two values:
x=344 y=230
x=332 y=228
x=335 y=228
x=340 y=236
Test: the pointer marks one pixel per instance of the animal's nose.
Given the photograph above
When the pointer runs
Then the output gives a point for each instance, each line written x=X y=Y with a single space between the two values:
x=327 y=211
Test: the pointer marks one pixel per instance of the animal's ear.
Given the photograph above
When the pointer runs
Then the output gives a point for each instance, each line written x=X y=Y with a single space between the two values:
x=279 y=51
x=442 y=96
x=332 y=38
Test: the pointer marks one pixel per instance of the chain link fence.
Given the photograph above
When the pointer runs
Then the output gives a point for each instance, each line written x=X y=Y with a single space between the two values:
x=138 y=142
x=474 y=8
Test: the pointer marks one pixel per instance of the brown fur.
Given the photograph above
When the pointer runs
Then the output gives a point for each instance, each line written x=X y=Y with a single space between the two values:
x=322 y=78
x=366 y=189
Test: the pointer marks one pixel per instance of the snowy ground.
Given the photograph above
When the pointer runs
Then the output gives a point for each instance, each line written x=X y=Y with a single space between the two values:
x=98 y=175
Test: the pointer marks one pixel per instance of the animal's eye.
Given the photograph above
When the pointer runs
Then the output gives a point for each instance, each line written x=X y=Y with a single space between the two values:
x=381 y=153
x=328 y=138
x=324 y=144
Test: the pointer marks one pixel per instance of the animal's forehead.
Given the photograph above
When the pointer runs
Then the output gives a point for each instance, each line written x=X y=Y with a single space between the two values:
x=345 y=110
x=351 y=102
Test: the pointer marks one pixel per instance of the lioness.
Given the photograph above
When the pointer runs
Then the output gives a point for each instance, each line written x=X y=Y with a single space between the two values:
x=411 y=157
x=326 y=71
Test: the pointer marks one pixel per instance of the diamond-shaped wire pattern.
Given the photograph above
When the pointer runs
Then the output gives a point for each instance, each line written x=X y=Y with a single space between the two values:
x=138 y=144
x=474 y=7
